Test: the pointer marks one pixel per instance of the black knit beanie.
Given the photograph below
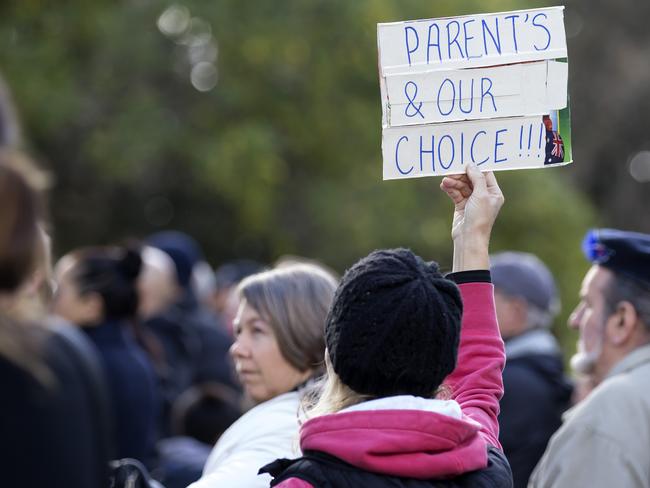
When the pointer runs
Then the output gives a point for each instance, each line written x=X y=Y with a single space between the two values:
x=394 y=325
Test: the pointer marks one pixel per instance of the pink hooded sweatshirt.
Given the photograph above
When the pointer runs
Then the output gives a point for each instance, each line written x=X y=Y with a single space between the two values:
x=427 y=444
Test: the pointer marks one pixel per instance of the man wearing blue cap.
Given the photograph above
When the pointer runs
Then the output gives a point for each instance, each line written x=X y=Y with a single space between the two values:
x=605 y=440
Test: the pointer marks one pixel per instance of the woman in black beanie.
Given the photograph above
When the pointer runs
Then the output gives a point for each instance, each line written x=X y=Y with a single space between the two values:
x=414 y=364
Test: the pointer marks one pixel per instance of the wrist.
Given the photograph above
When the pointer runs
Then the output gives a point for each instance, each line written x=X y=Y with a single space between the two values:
x=471 y=252
x=472 y=241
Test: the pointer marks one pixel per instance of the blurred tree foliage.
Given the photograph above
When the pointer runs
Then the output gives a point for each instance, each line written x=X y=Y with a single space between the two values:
x=281 y=156
x=609 y=49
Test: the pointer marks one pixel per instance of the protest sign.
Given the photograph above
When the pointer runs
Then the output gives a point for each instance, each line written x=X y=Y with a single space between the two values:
x=487 y=88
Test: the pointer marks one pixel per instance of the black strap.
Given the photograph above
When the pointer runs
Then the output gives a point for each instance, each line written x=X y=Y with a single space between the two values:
x=471 y=276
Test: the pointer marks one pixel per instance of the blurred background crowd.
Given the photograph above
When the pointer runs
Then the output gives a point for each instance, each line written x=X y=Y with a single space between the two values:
x=252 y=130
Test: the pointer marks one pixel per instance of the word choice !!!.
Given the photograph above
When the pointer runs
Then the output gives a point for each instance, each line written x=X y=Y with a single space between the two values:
x=440 y=149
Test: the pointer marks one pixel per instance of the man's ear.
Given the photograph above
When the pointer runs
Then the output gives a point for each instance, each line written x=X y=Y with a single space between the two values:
x=622 y=324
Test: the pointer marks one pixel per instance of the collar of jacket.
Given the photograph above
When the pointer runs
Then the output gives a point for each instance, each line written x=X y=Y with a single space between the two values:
x=534 y=341
x=632 y=361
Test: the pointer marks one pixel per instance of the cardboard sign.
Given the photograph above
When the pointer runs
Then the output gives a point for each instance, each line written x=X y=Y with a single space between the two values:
x=488 y=88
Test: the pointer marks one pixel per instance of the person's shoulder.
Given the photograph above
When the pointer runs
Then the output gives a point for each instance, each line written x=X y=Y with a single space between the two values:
x=538 y=361
x=496 y=474
x=609 y=407
x=625 y=386
x=524 y=387
x=282 y=407
x=275 y=415
x=626 y=394
x=534 y=371
x=519 y=370
x=18 y=385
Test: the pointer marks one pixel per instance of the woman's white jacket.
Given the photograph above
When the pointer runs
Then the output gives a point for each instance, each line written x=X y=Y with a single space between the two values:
x=263 y=434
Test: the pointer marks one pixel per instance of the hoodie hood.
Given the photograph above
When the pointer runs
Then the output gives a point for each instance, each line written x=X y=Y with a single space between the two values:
x=400 y=436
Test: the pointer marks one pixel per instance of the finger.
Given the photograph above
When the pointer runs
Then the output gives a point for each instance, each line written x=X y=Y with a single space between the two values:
x=457 y=190
x=456 y=181
x=460 y=177
x=477 y=178
x=449 y=182
x=455 y=195
x=491 y=181
x=466 y=190
x=462 y=186
x=493 y=187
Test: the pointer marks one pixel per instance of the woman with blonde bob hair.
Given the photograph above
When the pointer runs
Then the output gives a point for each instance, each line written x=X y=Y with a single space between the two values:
x=278 y=350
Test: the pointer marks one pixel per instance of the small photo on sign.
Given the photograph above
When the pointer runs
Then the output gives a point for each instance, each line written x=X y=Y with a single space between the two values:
x=491 y=89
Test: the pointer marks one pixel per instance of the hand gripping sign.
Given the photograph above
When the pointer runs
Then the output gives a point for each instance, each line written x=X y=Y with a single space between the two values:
x=489 y=89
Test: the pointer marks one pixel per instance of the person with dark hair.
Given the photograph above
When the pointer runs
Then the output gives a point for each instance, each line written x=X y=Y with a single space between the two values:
x=414 y=364
x=97 y=291
x=195 y=344
x=605 y=438
x=205 y=412
x=199 y=417
x=536 y=391
x=53 y=425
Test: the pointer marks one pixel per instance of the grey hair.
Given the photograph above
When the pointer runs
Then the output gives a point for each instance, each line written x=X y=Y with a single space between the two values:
x=294 y=300
x=623 y=289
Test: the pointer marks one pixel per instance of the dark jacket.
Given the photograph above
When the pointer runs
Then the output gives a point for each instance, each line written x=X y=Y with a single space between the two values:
x=536 y=395
x=195 y=349
x=321 y=470
x=55 y=433
x=133 y=390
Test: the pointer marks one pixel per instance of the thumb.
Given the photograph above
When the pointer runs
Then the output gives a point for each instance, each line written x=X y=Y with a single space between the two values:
x=477 y=178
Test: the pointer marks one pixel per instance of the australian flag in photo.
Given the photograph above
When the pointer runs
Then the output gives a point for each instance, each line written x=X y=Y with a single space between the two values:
x=554 y=147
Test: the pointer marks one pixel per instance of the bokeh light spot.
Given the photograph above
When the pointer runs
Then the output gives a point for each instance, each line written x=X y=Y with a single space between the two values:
x=174 y=21
x=204 y=76
x=640 y=166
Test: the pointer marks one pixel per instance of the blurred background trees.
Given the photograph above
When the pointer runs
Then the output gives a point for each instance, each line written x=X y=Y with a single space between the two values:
x=255 y=127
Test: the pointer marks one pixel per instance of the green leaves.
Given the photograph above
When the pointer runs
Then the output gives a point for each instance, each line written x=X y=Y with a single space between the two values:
x=283 y=155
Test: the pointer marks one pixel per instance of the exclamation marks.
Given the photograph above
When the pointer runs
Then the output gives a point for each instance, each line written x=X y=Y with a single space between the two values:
x=529 y=146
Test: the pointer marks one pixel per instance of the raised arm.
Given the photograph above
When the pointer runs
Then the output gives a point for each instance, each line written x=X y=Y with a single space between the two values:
x=477 y=200
x=476 y=382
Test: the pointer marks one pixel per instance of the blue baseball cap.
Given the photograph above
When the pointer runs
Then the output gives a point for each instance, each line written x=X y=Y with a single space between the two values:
x=626 y=253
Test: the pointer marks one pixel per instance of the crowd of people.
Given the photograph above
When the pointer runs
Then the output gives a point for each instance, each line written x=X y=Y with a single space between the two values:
x=138 y=365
